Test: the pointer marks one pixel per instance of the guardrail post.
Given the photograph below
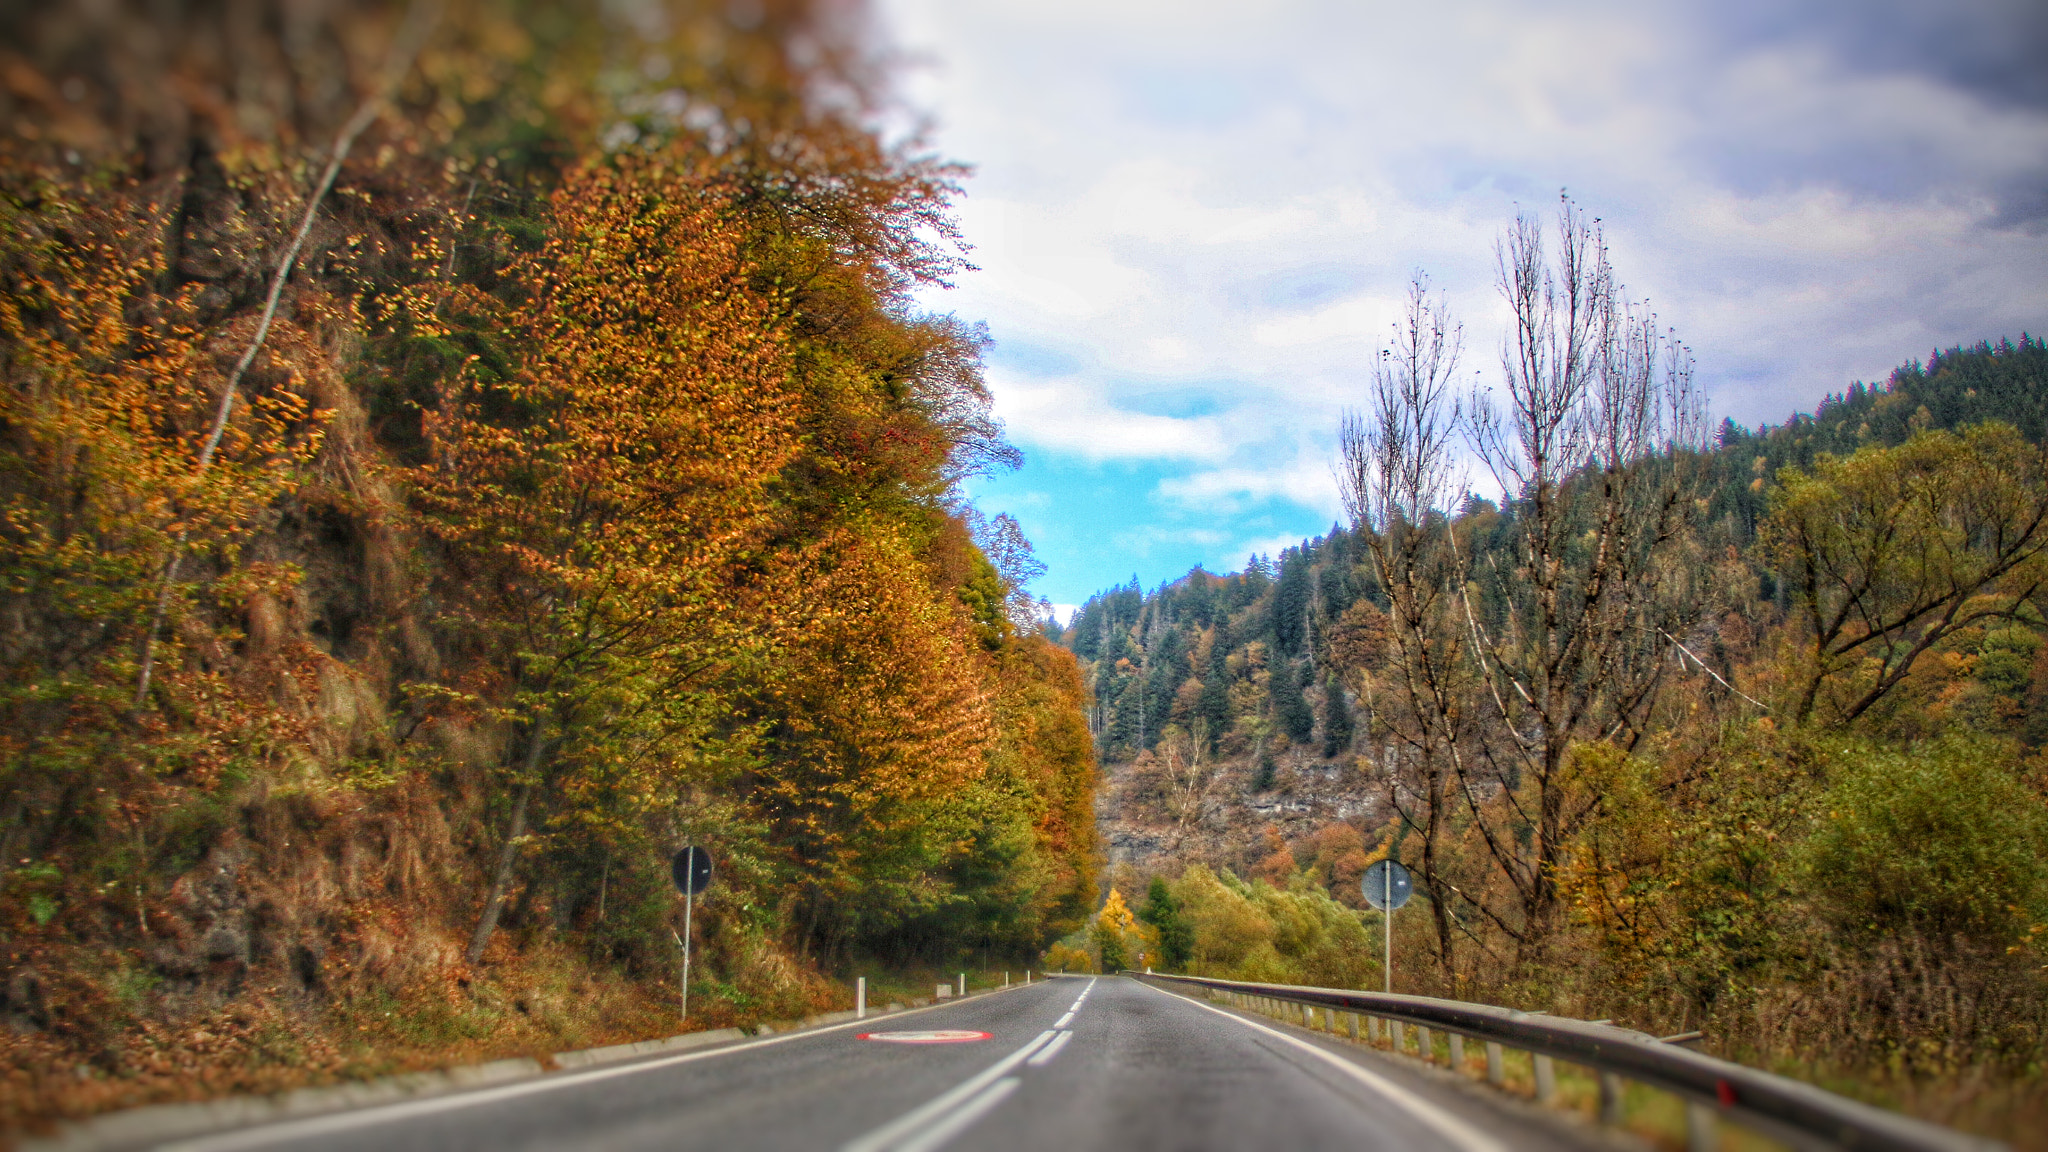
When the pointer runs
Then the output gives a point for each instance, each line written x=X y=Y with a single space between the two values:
x=1496 y=1070
x=1354 y=1027
x=1610 y=1098
x=1702 y=1131
x=1394 y=1035
x=1425 y=1045
x=1457 y=1052
x=1546 y=1079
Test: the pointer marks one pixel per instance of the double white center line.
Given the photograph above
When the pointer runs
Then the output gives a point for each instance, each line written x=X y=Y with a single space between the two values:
x=950 y=1114
x=1044 y=1055
x=955 y=1111
x=1078 y=1000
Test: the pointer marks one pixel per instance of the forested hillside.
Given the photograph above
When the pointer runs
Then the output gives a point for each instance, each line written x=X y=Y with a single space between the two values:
x=1734 y=731
x=1248 y=657
x=453 y=456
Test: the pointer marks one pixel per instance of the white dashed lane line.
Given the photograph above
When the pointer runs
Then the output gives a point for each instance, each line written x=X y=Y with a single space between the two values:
x=1044 y=1055
x=1063 y=1021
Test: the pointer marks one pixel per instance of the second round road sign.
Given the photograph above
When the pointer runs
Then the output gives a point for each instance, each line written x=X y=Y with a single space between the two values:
x=1384 y=891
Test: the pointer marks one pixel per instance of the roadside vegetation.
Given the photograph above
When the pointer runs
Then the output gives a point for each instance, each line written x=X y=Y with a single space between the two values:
x=1699 y=728
x=454 y=455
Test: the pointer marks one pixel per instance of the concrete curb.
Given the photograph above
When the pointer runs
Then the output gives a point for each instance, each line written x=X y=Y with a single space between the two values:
x=153 y=1124
x=586 y=1057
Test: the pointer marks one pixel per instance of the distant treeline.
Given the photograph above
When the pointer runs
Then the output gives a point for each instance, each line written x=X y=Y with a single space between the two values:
x=1255 y=655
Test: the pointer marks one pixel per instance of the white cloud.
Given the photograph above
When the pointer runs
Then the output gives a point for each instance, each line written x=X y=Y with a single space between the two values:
x=1207 y=211
x=1067 y=415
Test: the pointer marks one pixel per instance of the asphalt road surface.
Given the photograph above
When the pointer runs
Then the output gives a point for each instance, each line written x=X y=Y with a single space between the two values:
x=1073 y=1063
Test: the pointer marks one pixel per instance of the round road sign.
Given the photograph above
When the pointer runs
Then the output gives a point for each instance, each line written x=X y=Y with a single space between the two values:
x=1376 y=885
x=691 y=869
x=942 y=1036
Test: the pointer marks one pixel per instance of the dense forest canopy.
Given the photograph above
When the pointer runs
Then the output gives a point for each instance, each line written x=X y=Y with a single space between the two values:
x=454 y=455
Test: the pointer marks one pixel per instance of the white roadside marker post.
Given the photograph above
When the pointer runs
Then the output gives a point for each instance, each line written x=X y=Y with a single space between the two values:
x=860 y=998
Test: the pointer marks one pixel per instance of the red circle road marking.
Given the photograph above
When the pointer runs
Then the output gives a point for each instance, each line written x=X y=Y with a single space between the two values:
x=938 y=1037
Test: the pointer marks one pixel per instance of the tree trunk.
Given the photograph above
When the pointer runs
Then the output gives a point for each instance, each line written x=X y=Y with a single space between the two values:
x=501 y=881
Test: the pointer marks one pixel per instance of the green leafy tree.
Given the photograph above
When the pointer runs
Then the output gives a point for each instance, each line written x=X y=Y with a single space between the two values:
x=1176 y=936
x=1892 y=550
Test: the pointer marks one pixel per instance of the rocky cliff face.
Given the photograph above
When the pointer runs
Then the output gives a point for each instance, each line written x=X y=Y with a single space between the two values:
x=1154 y=820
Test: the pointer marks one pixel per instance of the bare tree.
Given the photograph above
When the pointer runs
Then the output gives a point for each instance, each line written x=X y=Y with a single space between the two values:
x=1592 y=446
x=1190 y=777
x=1397 y=475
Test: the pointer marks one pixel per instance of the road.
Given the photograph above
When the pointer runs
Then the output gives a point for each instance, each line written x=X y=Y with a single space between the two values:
x=1073 y=1063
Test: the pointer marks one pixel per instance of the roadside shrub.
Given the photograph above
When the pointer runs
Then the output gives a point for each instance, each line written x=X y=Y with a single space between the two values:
x=1940 y=839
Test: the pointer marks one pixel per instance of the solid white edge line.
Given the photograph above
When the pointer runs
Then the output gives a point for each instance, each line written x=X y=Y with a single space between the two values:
x=1063 y=1021
x=1045 y=1055
x=1459 y=1133
x=281 y=1131
x=901 y=1127
x=961 y=1118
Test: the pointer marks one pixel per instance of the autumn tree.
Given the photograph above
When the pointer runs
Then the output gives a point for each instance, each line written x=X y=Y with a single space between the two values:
x=1115 y=933
x=1892 y=550
x=600 y=503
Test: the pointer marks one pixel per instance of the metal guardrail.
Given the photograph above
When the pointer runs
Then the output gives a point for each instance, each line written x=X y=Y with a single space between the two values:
x=1788 y=1111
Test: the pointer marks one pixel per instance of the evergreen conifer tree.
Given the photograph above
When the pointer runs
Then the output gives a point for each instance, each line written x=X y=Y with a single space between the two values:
x=1214 y=705
x=1290 y=709
x=1265 y=772
x=1290 y=604
x=1169 y=670
x=1337 y=727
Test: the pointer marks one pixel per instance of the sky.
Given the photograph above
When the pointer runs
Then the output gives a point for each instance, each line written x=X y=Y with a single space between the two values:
x=1194 y=221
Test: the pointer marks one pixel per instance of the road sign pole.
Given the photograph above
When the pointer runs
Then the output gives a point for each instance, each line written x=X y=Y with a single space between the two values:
x=691 y=870
x=689 y=902
x=1394 y=891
